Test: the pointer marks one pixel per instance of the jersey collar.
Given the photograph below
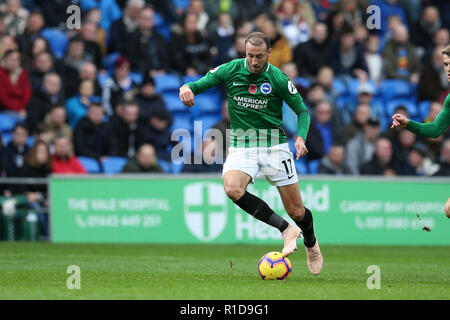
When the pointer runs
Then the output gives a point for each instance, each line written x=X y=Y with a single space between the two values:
x=266 y=69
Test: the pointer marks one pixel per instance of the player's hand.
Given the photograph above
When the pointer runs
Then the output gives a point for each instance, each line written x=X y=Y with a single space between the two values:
x=187 y=96
x=300 y=147
x=399 y=120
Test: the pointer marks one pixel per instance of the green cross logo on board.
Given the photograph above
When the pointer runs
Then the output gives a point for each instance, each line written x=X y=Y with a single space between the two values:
x=205 y=210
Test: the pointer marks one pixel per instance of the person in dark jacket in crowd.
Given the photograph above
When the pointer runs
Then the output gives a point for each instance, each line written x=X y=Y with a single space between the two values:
x=128 y=131
x=158 y=132
x=15 y=151
x=93 y=137
x=382 y=159
x=333 y=162
x=145 y=161
x=147 y=99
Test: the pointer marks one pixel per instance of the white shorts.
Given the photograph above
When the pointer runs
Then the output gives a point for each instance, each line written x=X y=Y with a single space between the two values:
x=275 y=163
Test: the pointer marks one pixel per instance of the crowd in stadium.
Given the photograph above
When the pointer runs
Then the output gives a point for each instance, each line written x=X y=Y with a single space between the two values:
x=103 y=98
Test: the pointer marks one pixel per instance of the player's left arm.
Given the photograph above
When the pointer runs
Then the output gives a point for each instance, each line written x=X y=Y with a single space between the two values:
x=290 y=94
x=435 y=128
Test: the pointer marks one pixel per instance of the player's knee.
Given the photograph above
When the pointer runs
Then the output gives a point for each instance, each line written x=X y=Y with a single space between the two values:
x=295 y=211
x=234 y=192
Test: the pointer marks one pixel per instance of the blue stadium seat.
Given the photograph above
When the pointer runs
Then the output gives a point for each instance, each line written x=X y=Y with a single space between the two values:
x=165 y=165
x=174 y=103
x=423 y=108
x=167 y=83
x=408 y=103
x=90 y=164
x=113 y=165
x=57 y=39
x=136 y=77
x=313 y=166
x=393 y=89
x=339 y=86
x=7 y=122
x=182 y=121
x=207 y=103
x=305 y=83
x=186 y=79
x=300 y=166
x=208 y=120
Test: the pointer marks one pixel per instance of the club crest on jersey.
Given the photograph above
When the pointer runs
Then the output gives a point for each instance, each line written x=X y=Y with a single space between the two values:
x=266 y=88
x=252 y=88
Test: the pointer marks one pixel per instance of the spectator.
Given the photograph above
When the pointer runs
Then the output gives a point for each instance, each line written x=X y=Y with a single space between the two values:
x=423 y=32
x=281 y=51
x=128 y=131
x=77 y=106
x=38 y=46
x=42 y=64
x=55 y=13
x=158 y=132
x=15 y=150
x=94 y=15
x=125 y=25
x=355 y=127
x=89 y=33
x=373 y=58
x=382 y=160
x=401 y=60
x=402 y=144
x=7 y=43
x=115 y=88
x=146 y=48
x=148 y=100
x=92 y=136
x=145 y=161
x=333 y=162
x=197 y=8
x=43 y=100
x=360 y=149
x=223 y=36
x=190 y=49
x=336 y=23
x=38 y=164
x=56 y=121
x=74 y=59
x=347 y=59
x=15 y=85
x=297 y=19
x=14 y=16
x=88 y=71
x=35 y=24
x=237 y=50
x=417 y=163
x=433 y=81
x=323 y=132
x=63 y=161
x=325 y=78
x=444 y=163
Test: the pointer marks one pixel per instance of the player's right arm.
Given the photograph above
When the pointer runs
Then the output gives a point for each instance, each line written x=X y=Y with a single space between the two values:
x=433 y=129
x=213 y=78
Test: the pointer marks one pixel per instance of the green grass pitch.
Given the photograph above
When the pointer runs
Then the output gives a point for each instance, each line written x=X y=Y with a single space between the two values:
x=110 y=271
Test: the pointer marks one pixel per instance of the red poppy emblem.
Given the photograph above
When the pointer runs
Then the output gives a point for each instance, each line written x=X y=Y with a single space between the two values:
x=252 y=88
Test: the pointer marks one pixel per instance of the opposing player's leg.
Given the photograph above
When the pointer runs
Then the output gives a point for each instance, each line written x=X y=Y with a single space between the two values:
x=293 y=204
x=235 y=184
x=447 y=208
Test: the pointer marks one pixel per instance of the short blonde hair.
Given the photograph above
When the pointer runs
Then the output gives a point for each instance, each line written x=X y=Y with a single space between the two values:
x=446 y=50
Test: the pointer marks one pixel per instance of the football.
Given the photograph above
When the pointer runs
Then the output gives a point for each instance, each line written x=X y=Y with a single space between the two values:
x=274 y=266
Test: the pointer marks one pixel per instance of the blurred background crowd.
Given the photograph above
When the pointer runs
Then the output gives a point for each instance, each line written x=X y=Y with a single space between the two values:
x=103 y=98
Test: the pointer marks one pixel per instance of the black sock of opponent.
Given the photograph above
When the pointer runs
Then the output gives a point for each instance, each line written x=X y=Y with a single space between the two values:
x=261 y=211
x=307 y=226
